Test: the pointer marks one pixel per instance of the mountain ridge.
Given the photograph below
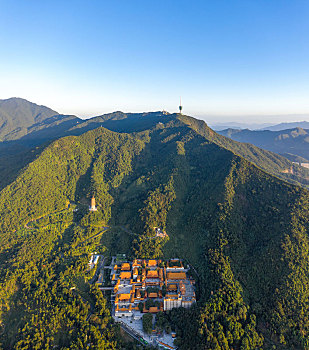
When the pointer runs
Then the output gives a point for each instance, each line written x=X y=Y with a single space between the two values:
x=244 y=230
x=291 y=141
x=24 y=147
x=20 y=119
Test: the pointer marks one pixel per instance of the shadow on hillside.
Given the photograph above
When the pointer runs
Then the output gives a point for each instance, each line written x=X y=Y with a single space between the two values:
x=133 y=123
x=150 y=169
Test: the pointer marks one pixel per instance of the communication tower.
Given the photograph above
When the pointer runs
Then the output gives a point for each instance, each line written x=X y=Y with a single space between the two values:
x=180 y=107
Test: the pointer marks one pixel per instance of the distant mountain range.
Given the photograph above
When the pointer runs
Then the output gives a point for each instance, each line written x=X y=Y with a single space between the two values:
x=238 y=125
x=227 y=207
x=285 y=126
x=292 y=143
x=257 y=126
x=27 y=125
x=28 y=128
x=243 y=229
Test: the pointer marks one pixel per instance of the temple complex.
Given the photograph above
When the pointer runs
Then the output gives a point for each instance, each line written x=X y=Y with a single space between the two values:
x=144 y=286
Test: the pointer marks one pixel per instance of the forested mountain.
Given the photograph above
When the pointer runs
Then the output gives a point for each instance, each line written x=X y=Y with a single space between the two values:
x=19 y=118
x=136 y=122
x=291 y=143
x=244 y=230
x=23 y=126
x=16 y=154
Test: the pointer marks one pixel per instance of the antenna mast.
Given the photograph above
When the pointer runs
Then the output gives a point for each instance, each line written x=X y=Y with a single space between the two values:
x=180 y=107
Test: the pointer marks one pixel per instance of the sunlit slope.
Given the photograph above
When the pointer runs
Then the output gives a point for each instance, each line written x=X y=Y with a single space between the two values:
x=266 y=160
x=238 y=225
x=288 y=142
x=49 y=183
x=136 y=122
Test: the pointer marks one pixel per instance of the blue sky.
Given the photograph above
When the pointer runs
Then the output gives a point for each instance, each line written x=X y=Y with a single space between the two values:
x=228 y=60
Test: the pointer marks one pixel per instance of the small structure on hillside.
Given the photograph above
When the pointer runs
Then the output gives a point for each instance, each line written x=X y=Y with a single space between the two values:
x=92 y=204
x=93 y=260
x=160 y=233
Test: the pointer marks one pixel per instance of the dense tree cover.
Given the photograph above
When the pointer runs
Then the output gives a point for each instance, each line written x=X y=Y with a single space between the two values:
x=148 y=248
x=268 y=161
x=147 y=323
x=50 y=303
x=225 y=321
x=291 y=309
x=292 y=143
x=31 y=125
x=17 y=116
x=244 y=231
x=156 y=208
x=42 y=241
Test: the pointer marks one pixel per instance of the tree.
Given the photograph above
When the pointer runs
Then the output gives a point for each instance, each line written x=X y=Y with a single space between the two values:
x=147 y=323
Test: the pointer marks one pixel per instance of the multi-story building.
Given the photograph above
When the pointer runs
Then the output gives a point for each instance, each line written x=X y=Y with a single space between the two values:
x=151 y=286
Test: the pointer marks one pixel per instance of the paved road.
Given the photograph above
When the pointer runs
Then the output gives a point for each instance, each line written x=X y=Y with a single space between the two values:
x=134 y=335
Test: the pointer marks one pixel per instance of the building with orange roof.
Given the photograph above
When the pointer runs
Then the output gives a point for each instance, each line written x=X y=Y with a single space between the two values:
x=172 y=287
x=176 y=276
x=175 y=264
x=125 y=267
x=152 y=295
x=152 y=263
x=153 y=309
x=137 y=262
x=131 y=285
x=125 y=296
x=152 y=274
x=125 y=275
x=182 y=288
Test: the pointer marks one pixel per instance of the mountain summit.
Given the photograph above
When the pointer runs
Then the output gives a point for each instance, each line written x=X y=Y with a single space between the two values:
x=19 y=118
x=243 y=230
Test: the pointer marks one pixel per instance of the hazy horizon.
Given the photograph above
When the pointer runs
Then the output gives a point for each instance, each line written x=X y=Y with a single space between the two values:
x=212 y=120
x=228 y=61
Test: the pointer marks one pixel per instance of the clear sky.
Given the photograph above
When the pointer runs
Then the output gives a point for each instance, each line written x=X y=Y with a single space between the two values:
x=227 y=59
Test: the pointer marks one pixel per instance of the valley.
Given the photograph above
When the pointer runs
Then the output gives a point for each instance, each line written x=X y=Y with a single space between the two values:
x=154 y=175
x=215 y=207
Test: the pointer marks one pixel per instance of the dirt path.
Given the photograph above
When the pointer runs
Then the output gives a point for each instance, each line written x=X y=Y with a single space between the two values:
x=44 y=216
x=97 y=234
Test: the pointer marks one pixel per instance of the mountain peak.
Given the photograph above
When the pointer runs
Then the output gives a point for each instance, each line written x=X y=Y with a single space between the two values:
x=19 y=102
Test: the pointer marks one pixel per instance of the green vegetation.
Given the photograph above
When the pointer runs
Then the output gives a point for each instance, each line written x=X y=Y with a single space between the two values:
x=18 y=115
x=45 y=296
x=151 y=303
x=266 y=160
x=147 y=323
x=292 y=143
x=244 y=231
